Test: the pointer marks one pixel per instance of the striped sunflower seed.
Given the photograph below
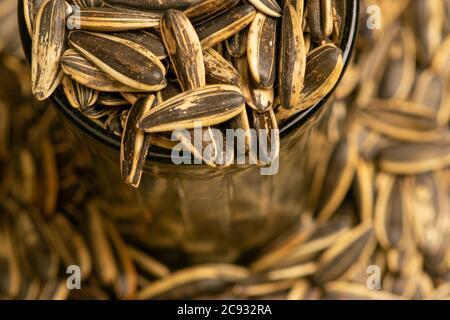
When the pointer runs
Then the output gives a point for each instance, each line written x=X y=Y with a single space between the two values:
x=123 y=60
x=261 y=50
x=268 y=7
x=206 y=10
x=86 y=73
x=125 y=286
x=390 y=218
x=401 y=124
x=292 y=63
x=237 y=44
x=210 y=105
x=192 y=281
x=88 y=3
x=30 y=8
x=112 y=99
x=260 y=100
x=339 y=177
x=113 y=19
x=78 y=95
x=224 y=26
x=414 y=158
x=160 y=5
x=135 y=143
x=338 y=261
x=47 y=48
x=102 y=252
x=148 y=40
x=218 y=70
x=184 y=49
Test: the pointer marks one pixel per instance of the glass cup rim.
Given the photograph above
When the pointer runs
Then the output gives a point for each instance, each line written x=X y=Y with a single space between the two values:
x=109 y=139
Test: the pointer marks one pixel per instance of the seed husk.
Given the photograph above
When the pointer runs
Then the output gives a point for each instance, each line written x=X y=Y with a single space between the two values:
x=47 y=48
x=390 y=218
x=218 y=70
x=159 y=5
x=184 y=49
x=86 y=73
x=148 y=40
x=113 y=19
x=112 y=99
x=266 y=126
x=323 y=69
x=224 y=26
x=30 y=8
x=135 y=143
x=268 y=7
x=210 y=105
x=88 y=3
x=261 y=50
x=339 y=177
x=102 y=252
x=78 y=95
x=125 y=286
x=206 y=10
x=316 y=27
x=123 y=60
x=401 y=124
x=193 y=276
x=237 y=44
x=355 y=246
x=414 y=158
x=260 y=100
x=292 y=63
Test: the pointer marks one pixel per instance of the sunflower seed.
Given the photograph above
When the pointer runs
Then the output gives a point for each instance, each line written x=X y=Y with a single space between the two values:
x=414 y=158
x=184 y=49
x=292 y=59
x=88 y=3
x=210 y=105
x=191 y=281
x=78 y=95
x=356 y=245
x=102 y=251
x=86 y=73
x=148 y=40
x=337 y=182
x=218 y=70
x=390 y=217
x=47 y=48
x=224 y=26
x=160 y=5
x=112 y=55
x=112 y=99
x=30 y=8
x=113 y=19
x=268 y=7
x=261 y=50
x=237 y=44
x=206 y=10
x=135 y=143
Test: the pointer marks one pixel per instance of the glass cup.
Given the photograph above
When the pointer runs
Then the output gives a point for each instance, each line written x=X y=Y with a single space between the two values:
x=194 y=212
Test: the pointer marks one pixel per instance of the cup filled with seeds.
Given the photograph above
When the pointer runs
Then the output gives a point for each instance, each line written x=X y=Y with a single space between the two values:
x=196 y=113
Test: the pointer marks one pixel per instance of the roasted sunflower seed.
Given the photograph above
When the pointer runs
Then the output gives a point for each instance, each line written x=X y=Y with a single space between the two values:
x=212 y=104
x=224 y=26
x=123 y=60
x=184 y=49
x=135 y=142
x=261 y=50
x=47 y=48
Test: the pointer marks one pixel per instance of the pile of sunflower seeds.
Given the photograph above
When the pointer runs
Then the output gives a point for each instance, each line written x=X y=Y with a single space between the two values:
x=141 y=69
x=379 y=198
